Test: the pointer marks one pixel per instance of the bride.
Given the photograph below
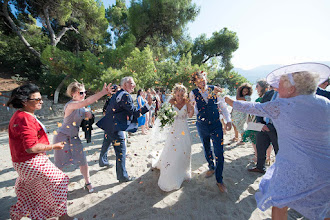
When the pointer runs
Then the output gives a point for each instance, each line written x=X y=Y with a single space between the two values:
x=174 y=162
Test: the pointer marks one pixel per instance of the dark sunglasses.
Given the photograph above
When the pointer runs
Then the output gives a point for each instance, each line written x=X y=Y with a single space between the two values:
x=81 y=93
x=37 y=100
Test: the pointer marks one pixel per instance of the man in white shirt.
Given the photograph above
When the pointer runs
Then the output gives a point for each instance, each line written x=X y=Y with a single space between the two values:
x=209 y=127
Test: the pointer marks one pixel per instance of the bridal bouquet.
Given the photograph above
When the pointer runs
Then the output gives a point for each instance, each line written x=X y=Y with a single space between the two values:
x=166 y=115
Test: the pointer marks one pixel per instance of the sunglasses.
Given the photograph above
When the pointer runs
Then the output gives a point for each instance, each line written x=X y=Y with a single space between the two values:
x=37 y=100
x=81 y=93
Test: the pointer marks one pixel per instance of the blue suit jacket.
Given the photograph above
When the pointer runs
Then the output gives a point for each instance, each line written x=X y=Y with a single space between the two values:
x=121 y=114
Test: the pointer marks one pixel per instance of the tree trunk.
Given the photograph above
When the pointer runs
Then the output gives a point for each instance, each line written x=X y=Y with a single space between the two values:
x=53 y=38
x=58 y=89
x=16 y=30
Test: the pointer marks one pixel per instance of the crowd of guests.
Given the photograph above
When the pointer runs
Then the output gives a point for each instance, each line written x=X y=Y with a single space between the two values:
x=154 y=99
x=290 y=105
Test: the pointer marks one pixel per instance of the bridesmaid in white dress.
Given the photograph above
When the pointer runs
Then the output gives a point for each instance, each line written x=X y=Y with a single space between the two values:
x=174 y=162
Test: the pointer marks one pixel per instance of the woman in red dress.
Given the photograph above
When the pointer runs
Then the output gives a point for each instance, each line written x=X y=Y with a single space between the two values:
x=41 y=188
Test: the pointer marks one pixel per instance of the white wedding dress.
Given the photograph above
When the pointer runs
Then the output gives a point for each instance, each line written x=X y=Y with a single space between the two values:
x=174 y=161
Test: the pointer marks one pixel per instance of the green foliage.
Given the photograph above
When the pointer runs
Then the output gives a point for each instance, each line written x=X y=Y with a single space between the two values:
x=140 y=65
x=171 y=72
x=48 y=82
x=87 y=16
x=148 y=40
x=163 y=20
x=109 y=76
x=221 y=44
x=117 y=16
x=230 y=80
x=16 y=58
x=115 y=58
x=166 y=71
x=85 y=67
x=60 y=61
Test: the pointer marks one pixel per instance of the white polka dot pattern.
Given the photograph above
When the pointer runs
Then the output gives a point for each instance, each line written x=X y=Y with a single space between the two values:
x=41 y=189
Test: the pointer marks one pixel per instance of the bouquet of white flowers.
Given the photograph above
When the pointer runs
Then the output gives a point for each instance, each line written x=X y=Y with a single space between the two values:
x=166 y=115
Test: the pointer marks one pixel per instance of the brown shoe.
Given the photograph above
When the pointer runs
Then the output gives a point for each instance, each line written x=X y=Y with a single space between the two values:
x=256 y=170
x=209 y=173
x=222 y=187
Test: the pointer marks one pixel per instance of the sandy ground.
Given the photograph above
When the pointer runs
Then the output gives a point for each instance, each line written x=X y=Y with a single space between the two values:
x=142 y=199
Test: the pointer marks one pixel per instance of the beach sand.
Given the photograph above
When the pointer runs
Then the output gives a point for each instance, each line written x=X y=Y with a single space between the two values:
x=142 y=199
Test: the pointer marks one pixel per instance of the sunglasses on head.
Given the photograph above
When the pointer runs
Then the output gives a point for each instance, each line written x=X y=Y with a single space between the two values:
x=37 y=100
x=81 y=93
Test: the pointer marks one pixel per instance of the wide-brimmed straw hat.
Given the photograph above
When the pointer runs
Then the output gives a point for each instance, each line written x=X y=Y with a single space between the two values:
x=323 y=70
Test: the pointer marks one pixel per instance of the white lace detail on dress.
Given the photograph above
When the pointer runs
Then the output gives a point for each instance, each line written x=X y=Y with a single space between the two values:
x=268 y=109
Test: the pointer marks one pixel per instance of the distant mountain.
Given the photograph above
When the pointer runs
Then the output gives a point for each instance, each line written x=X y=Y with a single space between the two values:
x=261 y=71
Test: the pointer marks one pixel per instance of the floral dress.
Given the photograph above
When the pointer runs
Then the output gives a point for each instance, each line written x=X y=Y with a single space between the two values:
x=239 y=118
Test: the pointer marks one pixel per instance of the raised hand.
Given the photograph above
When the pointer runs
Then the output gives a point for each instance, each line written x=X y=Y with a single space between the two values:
x=106 y=88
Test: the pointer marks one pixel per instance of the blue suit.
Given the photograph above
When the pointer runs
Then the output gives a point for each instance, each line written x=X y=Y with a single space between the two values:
x=209 y=128
x=121 y=115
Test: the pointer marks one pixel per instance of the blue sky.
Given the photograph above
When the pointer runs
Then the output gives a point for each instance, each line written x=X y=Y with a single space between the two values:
x=269 y=32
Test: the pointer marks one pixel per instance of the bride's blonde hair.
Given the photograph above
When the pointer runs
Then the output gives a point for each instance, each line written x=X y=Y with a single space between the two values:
x=178 y=87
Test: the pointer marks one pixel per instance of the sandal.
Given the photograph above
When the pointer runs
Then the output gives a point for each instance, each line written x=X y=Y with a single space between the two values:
x=86 y=187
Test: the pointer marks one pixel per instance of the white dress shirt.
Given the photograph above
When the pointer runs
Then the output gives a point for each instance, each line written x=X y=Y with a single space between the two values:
x=221 y=103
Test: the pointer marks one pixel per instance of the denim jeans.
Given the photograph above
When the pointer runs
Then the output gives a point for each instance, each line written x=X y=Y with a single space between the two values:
x=208 y=132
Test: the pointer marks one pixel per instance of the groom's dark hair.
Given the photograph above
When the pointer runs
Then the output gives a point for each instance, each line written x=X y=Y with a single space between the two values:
x=197 y=75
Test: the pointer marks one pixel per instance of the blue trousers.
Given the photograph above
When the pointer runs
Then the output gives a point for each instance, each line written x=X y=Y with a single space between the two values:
x=118 y=141
x=208 y=132
x=103 y=160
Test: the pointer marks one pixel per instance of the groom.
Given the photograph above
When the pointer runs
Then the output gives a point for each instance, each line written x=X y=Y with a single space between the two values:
x=121 y=115
x=209 y=126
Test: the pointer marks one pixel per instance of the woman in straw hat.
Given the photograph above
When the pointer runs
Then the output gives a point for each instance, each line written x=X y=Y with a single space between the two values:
x=299 y=178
